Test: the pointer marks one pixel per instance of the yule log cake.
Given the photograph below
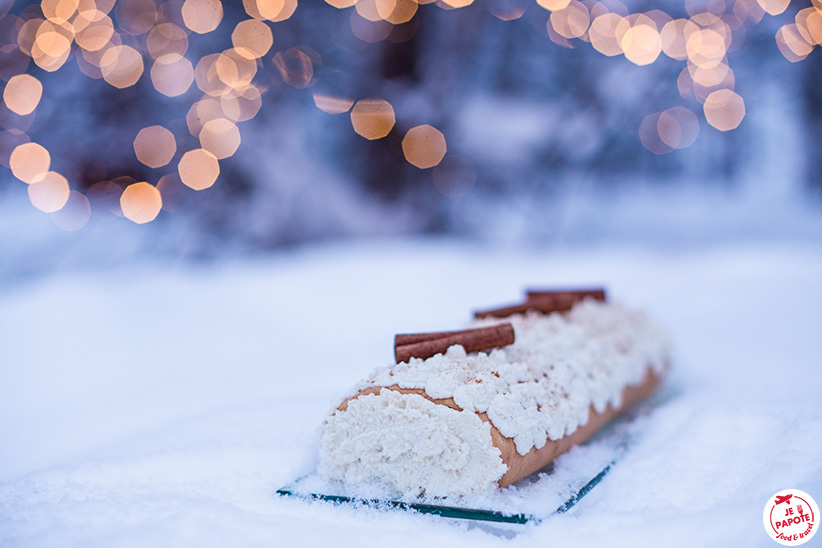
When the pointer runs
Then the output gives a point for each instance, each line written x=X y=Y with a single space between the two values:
x=471 y=411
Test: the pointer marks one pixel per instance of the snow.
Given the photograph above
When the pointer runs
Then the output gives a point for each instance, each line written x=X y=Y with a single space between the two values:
x=164 y=405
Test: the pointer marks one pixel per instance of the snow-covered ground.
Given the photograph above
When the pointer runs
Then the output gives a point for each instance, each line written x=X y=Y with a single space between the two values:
x=159 y=405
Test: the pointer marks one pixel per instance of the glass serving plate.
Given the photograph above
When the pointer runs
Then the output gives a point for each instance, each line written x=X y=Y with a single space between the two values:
x=301 y=488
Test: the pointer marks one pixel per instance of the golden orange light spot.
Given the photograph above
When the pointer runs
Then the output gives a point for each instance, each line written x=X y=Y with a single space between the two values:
x=791 y=44
x=202 y=112
x=295 y=67
x=155 y=146
x=369 y=31
x=507 y=10
x=341 y=4
x=455 y=176
x=603 y=34
x=141 y=202
x=51 y=46
x=95 y=35
x=9 y=140
x=205 y=74
x=252 y=38
x=136 y=16
x=678 y=127
x=165 y=39
x=121 y=66
x=397 y=12
x=774 y=7
x=49 y=191
x=220 y=137
x=59 y=11
x=198 y=169
x=809 y=25
x=74 y=214
x=28 y=161
x=202 y=16
x=368 y=10
x=554 y=5
x=172 y=74
x=272 y=10
x=709 y=77
x=641 y=44
x=22 y=94
x=83 y=18
x=675 y=35
x=572 y=21
x=457 y=3
x=332 y=104
x=235 y=70
x=649 y=135
x=372 y=118
x=706 y=48
x=244 y=106
x=28 y=34
x=724 y=109
x=90 y=61
x=424 y=146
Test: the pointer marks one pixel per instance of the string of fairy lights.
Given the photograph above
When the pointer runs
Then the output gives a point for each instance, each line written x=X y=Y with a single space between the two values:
x=123 y=41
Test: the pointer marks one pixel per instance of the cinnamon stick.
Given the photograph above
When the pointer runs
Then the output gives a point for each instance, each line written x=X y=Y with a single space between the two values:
x=545 y=302
x=596 y=293
x=425 y=345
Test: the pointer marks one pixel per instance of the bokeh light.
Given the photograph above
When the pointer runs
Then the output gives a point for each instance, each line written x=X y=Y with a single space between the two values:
x=641 y=43
x=10 y=139
x=136 y=16
x=28 y=161
x=202 y=112
x=166 y=39
x=121 y=66
x=373 y=118
x=198 y=169
x=295 y=67
x=554 y=5
x=678 y=127
x=220 y=137
x=49 y=191
x=774 y=7
x=650 y=137
x=172 y=74
x=74 y=214
x=141 y=202
x=155 y=146
x=571 y=21
x=202 y=16
x=271 y=10
x=341 y=4
x=424 y=146
x=603 y=34
x=809 y=24
x=791 y=43
x=252 y=38
x=114 y=37
x=507 y=10
x=22 y=94
x=724 y=109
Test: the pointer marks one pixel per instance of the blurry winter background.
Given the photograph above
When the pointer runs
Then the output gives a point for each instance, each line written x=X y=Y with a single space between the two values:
x=214 y=217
